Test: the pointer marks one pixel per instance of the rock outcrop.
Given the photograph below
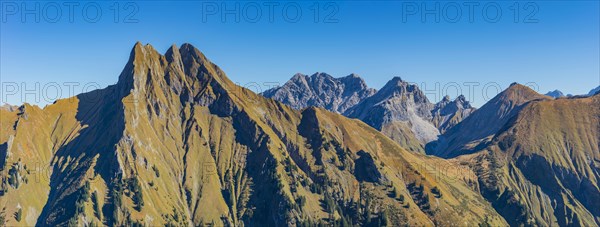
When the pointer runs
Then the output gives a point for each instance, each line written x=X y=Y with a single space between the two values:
x=446 y=113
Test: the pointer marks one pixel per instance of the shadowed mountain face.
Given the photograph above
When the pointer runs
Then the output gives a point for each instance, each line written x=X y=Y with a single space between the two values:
x=321 y=90
x=536 y=158
x=175 y=142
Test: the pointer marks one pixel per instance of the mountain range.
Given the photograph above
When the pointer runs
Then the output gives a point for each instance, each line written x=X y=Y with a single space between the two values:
x=176 y=143
x=557 y=94
x=322 y=90
x=399 y=109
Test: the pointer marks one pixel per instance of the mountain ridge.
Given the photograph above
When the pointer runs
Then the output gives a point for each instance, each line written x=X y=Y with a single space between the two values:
x=484 y=122
x=536 y=160
x=175 y=134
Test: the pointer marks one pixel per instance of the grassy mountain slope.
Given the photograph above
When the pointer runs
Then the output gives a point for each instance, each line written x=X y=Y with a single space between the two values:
x=176 y=142
x=542 y=166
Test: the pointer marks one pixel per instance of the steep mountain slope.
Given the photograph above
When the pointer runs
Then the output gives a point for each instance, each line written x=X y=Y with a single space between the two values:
x=398 y=106
x=478 y=129
x=175 y=142
x=543 y=167
x=321 y=90
x=446 y=114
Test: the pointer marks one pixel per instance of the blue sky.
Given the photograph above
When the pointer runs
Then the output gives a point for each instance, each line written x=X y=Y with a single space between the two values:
x=552 y=44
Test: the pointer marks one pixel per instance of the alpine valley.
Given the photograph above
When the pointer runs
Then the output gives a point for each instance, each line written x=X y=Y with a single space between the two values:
x=176 y=143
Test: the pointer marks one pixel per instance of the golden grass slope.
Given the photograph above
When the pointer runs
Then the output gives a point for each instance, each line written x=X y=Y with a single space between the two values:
x=542 y=167
x=175 y=142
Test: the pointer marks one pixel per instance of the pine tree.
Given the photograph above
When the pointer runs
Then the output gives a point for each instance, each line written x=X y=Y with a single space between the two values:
x=19 y=214
x=138 y=198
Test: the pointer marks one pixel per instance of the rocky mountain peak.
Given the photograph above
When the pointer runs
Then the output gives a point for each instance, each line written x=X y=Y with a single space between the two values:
x=396 y=79
x=459 y=103
x=555 y=94
x=298 y=76
x=140 y=59
x=321 y=75
x=321 y=90
x=173 y=53
x=518 y=93
x=398 y=104
x=446 y=113
x=355 y=82
x=446 y=99
x=397 y=87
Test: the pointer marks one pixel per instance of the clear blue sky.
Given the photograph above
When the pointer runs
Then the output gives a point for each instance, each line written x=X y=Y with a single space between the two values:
x=377 y=40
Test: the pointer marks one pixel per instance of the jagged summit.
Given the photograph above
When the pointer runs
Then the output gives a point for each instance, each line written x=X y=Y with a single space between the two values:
x=321 y=90
x=447 y=113
x=398 y=109
x=185 y=69
x=398 y=87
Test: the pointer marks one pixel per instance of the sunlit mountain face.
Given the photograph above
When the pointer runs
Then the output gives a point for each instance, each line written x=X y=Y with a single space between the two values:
x=176 y=142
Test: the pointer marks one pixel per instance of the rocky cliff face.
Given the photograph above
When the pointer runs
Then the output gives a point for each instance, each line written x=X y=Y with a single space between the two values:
x=175 y=142
x=321 y=90
x=398 y=104
x=446 y=113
